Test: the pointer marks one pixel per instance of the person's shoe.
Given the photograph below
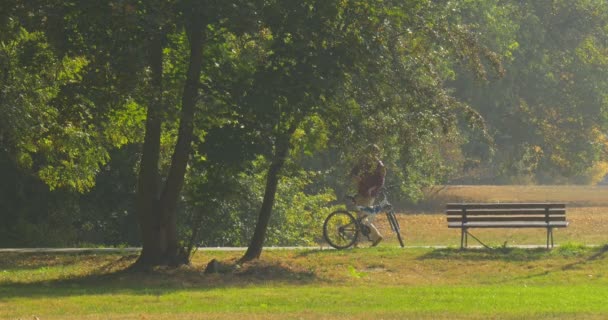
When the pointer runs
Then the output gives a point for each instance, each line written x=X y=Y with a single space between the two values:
x=377 y=241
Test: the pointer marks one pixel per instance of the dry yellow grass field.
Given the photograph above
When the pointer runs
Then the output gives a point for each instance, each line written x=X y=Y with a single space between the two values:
x=574 y=196
x=587 y=211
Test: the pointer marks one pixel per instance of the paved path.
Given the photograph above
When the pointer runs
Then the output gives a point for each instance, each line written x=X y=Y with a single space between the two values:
x=134 y=249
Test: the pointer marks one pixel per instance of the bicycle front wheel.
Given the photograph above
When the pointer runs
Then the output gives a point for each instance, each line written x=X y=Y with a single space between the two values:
x=340 y=229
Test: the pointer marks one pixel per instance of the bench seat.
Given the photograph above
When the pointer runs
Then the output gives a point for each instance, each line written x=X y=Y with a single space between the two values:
x=466 y=216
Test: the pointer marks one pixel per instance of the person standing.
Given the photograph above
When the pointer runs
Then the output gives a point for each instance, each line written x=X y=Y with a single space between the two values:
x=369 y=175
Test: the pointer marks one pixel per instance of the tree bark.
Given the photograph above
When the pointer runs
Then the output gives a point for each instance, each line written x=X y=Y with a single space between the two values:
x=179 y=160
x=272 y=179
x=156 y=210
x=148 y=184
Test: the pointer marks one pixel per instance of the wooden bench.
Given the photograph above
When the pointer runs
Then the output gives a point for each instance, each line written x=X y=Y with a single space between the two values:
x=505 y=215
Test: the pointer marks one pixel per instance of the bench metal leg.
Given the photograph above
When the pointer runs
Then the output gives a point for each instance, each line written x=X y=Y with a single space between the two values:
x=549 y=237
x=463 y=238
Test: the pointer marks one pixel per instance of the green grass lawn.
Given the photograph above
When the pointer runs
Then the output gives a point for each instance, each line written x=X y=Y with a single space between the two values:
x=385 y=282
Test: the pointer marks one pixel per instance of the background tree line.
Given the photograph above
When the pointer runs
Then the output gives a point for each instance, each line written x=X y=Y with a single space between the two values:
x=178 y=123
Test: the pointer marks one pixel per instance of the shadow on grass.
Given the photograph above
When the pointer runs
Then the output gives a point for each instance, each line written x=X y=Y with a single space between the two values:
x=321 y=252
x=34 y=260
x=484 y=254
x=115 y=277
x=587 y=256
x=507 y=254
x=596 y=254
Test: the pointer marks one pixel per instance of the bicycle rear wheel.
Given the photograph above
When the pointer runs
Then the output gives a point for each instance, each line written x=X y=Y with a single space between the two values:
x=392 y=219
x=340 y=229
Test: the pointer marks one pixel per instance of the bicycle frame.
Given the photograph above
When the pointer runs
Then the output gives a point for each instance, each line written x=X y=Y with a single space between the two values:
x=378 y=208
x=362 y=213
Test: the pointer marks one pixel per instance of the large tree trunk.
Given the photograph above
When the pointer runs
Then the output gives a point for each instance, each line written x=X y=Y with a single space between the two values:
x=156 y=210
x=179 y=160
x=272 y=179
x=148 y=185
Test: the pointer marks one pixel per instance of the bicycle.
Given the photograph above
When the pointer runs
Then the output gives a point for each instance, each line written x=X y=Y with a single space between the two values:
x=342 y=230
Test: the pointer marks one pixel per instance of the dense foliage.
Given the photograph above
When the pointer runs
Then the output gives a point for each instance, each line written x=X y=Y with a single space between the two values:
x=548 y=113
x=218 y=113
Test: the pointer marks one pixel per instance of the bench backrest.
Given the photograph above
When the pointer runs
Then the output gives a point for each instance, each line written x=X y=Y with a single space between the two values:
x=505 y=212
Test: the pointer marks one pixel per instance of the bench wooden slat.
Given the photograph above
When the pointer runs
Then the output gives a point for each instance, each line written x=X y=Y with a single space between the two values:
x=558 y=224
x=557 y=211
x=499 y=219
x=534 y=205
